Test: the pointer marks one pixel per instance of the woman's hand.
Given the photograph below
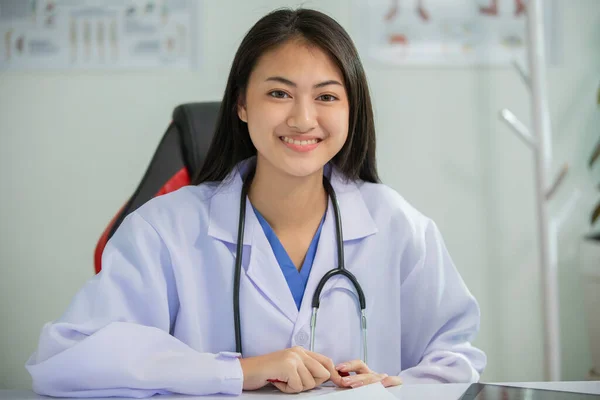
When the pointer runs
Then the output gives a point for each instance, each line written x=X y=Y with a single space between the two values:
x=364 y=375
x=291 y=370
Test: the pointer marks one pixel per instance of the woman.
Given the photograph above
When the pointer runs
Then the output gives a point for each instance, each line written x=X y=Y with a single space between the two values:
x=296 y=117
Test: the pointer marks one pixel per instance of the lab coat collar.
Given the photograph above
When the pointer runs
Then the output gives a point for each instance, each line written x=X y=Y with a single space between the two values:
x=262 y=267
x=224 y=209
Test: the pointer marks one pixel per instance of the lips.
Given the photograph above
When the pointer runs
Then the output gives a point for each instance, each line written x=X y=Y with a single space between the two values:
x=300 y=142
x=301 y=146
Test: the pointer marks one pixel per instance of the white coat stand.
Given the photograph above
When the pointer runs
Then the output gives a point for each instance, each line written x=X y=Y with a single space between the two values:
x=541 y=145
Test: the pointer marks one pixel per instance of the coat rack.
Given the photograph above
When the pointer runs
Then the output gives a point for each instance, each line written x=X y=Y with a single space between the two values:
x=540 y=143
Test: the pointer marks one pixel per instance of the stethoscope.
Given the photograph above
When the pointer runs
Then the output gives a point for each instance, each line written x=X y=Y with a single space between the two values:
x=340 y=270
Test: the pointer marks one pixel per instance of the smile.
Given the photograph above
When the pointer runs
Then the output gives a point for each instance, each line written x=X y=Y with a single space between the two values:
x=299 y=142
x=300 y=145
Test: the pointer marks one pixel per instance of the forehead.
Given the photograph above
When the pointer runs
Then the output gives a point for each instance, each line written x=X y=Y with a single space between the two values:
x=298 y=61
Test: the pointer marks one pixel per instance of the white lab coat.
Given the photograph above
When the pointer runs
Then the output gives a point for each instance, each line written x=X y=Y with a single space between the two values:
x=159 y=317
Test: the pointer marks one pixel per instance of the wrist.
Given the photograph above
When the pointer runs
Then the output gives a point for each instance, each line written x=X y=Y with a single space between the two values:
x=252 y=373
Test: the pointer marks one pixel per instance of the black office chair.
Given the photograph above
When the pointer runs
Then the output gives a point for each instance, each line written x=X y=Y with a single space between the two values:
x=179 y=156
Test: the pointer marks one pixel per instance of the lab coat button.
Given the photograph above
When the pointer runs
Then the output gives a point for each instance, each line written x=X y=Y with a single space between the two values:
x=302 y=338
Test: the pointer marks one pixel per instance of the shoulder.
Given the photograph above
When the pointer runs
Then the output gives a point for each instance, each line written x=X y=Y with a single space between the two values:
x=180 y=207
x=388 y=208
x=404 y=228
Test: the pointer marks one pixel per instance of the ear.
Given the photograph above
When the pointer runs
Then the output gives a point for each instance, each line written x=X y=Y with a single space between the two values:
x=241 y=110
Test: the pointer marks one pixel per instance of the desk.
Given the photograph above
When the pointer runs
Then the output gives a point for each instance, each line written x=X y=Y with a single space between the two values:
x=439 y=392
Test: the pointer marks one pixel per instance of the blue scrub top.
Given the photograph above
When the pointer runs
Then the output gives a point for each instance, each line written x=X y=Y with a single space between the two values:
x=295 y=279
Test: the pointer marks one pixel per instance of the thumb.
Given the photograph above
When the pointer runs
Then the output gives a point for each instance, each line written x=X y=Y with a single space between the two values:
x=391 y=381
x=282 y=386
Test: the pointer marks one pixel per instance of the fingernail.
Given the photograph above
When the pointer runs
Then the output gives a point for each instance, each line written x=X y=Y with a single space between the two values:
x=341 y=366
x=346 y=380
x=357 y=384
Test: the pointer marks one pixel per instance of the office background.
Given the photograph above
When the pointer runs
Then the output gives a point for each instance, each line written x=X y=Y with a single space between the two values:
x=73 y=147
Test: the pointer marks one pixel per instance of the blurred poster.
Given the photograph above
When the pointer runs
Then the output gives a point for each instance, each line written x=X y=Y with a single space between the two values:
x=97 y=34
x=446 y=32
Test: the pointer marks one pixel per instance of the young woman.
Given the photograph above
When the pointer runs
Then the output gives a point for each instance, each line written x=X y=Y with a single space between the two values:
x=216 y=288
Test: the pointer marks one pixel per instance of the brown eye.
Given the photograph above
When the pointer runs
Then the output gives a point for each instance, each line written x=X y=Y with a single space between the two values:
x=278 y=94
x=327 y=97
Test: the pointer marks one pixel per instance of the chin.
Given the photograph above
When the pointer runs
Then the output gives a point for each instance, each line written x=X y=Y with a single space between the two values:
x=301 y=169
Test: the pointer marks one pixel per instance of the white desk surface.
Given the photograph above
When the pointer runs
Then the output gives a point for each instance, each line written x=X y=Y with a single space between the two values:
x=408 y=392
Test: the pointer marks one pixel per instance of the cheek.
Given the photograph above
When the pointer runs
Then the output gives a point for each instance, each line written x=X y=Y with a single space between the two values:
x=263 y=118
x=258 y=125
x=337 y=125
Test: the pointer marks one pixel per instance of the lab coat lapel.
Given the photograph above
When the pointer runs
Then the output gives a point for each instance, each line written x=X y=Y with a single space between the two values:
x=266 y=274
x=262 y=268
x=224 y=211
x=357 y=224
x=325 y=260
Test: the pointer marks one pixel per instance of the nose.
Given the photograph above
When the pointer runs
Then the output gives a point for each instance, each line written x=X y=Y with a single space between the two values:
x=302 y=117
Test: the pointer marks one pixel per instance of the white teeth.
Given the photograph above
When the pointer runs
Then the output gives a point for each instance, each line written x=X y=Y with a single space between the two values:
x=299 y=142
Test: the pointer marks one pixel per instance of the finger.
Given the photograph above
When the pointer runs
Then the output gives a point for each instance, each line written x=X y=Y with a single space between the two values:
x=391 y=381
x=292 y=382
x=308 y=382
x=355 y=381
x=357 y=366
x=282 y=386
x=317 y=370
x=326 y=362
x=291 y=386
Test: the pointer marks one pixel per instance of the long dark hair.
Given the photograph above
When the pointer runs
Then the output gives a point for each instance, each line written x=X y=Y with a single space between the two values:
x=231 y=142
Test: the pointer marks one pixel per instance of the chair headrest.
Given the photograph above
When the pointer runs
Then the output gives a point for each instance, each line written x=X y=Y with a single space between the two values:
x=196 y=124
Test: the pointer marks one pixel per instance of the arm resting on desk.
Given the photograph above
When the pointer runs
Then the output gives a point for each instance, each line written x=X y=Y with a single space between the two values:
x=114 y=338
x=439 y=318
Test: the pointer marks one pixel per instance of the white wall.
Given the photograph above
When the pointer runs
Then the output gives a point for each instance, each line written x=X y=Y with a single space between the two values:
x=73 y=147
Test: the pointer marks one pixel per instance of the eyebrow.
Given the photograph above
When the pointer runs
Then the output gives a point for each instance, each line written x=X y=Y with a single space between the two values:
x=292 y=84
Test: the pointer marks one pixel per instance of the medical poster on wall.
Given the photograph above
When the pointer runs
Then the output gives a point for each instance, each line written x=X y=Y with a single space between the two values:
x=97 y=34
x=444 y=32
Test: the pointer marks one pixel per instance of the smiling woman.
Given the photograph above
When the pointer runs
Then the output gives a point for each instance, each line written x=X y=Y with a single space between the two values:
x=295 y=137
x=295 y=97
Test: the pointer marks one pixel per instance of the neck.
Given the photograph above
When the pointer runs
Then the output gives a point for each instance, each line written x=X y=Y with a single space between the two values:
x=287 y=202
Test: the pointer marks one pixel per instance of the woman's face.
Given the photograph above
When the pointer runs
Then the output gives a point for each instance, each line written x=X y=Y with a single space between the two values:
x=296 y=108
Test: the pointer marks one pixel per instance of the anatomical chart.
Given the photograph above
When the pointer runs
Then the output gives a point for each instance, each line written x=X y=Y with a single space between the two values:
x=443 y=32
x=97 y=34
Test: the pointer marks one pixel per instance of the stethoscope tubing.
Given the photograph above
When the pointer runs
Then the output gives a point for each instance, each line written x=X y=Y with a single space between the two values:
x=340 y=270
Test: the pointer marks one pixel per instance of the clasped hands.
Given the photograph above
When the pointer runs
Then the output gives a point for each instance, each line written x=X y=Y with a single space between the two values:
x=296 y=370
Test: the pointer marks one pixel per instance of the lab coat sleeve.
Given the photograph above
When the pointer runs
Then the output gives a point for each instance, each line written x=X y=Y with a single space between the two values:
x=439 y=317
x=114 y=339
